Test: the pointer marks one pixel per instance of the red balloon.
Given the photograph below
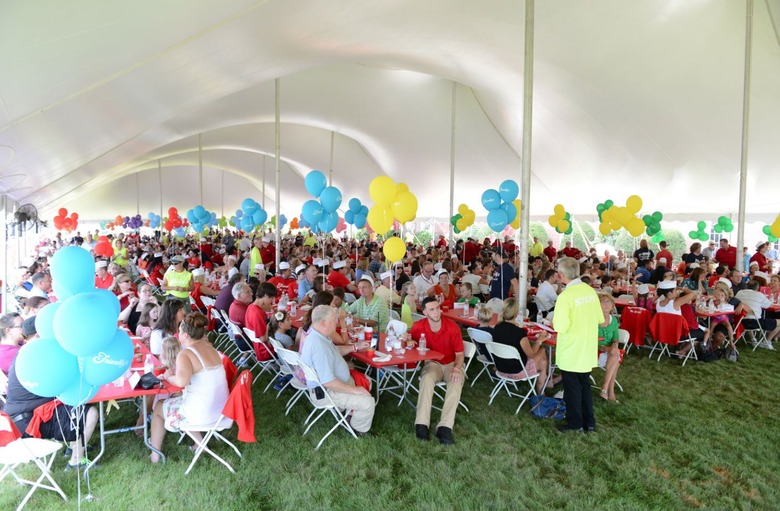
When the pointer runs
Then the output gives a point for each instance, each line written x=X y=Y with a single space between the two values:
x=185 y=222
x=173 y=213
x=168 y=226
x=58 y=223
x=63 y=212
x=104 y=238
x=118 y=220
x=74 y=216
x=177 y=222
x=67 y=224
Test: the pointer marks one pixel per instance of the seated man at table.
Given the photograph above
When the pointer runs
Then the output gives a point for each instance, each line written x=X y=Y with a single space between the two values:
x=22 y=406
x=442 y=335
x=756 y=302
x=369 y=309
x=338 y=276
x=327 y=360
x=256 y=317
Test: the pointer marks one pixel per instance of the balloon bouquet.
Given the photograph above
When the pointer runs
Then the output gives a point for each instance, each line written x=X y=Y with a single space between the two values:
x=63 y=222
x=321 y=217
x=502 y=205
x=80 y=347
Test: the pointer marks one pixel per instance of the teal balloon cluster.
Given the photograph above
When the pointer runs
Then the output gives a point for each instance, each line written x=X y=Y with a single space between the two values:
x=80 y=348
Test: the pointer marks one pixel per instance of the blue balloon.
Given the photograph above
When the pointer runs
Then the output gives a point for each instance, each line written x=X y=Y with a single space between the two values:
x=349 y=217
x=239 y=213
x=497 y=219
x=302 y=221
x=330 y=198
x=315 y=182
x=508 y=190
x=259 y=216
x=312 y=212
x=86 y=323
x=44 y=320
x=191 y=216
x=282 y=220
x=329 y=221
x=360 y=221
x=199 y=212
x=491 y=199
x=44 y=368
x=179 y=231
x=111 y=362
x=364 y=210
x=79 y=393
x=354 y=205
x=249 y=205
x=510 y=210
x=72 y=272
x=247 y=223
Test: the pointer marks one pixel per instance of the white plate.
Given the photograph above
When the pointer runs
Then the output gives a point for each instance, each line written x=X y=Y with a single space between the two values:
x=383 y=358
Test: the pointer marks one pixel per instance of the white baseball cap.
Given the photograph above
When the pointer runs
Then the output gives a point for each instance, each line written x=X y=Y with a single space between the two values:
x=284 y=265
x=339 y=264
x=386 y=275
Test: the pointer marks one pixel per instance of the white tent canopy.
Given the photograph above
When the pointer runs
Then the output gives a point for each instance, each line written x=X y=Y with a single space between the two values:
x=640 y=97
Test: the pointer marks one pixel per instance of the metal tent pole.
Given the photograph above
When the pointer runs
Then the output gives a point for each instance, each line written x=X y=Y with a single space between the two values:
x=745 y=126
x=452 y=159
x=528 y=96
x=5 y=254
x=278 y=173
x=200 y=165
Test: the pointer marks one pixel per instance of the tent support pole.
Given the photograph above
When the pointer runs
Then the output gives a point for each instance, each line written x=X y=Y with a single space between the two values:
x=4 y=276
x=528 y=97
x=330 y=164
x=278 y=171
x=452 y=159
x=745 y=125
x=263 y=181
x=159 y=176
x=137 y=195
x=200 y=165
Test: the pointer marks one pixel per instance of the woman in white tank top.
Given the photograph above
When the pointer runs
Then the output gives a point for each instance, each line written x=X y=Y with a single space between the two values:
x=200 y=372
x=671 y=297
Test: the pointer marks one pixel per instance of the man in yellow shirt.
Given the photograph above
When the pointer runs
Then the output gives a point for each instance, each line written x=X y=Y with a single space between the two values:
x=576 y=320
x=536 y=249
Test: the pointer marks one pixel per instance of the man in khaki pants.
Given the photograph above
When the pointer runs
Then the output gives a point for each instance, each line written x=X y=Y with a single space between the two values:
x=442 y=335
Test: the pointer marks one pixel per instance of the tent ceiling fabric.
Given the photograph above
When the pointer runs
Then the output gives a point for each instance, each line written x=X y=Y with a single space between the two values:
x=633 y=97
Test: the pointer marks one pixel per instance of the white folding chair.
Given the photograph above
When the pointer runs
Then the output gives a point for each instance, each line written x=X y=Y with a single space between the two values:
x=284 y=368
x=626 y=297
x=503 y=351
x=222 y=338
x=758 y=335
x=480 y=338
x=3 y=386
x=20 y=451
x=417 y=317
x=242 y=391
x=394 y=315
x=623 y=338
x=349 y=297
x=292 y=360
x=469 y=350
x=208 y=301
x=269 y=365
x=322 y=405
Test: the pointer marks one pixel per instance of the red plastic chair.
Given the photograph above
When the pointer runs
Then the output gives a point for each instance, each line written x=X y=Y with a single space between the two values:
x=635 y=321
x=669 y=330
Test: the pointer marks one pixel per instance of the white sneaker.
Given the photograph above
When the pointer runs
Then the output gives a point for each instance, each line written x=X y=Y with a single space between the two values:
x=767 y=345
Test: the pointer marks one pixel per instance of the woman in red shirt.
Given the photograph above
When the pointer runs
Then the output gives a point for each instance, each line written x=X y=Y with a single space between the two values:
x=760 y=257
x=445 y=289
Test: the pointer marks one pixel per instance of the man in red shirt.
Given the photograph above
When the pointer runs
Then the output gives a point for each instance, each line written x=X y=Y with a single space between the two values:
x=550 y=251
x=663 y=253
x=569 y=251
x=268 y=253
x=284 y=282
x=442 y=335
x=256 y=317
x=242 y=297
x=726 y=254
x=470 y=251
x=338 y=277
x=103 y=279
x=509 y=245
x=442 y=243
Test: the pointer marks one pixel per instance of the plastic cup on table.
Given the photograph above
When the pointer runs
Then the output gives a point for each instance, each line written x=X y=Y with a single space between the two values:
x=371 y=352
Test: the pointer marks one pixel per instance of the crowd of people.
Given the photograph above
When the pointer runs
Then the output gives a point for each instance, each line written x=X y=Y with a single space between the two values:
x=161 y=284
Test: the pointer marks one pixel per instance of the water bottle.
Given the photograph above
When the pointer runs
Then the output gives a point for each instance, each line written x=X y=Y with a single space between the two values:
x=283 y=303
x=422 y=343
x=539 y=317
x=148 y=364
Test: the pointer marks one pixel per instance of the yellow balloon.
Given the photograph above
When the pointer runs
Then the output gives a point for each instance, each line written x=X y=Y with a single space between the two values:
x=517 y=205
x=634 y=204
x=614 y=225
x=563 y=225
x=401 y=187
x=394 y=249
x=635 y=228
x=382 y=190
x=553 y=221
x=405 y=207
x=469 y=216
x=775 y=229
x=461 y=225
x=462 y=209
x=608 y=215
x=516 y=223
x=380 y=219
x=559 y=211
x=604 y=228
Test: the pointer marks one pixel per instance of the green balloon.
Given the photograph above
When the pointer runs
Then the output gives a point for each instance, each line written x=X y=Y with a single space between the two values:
x=456 y=230
x=658 y=216
x=647 y=219
x=694 y=235
x=767 y=230
x=567 y=216
x=723 y=220
x=728 y=228
x=772 y=239
x=609 y=203
x=702 y=225
x=703 y=236
x=718 y=228
x=569 y=230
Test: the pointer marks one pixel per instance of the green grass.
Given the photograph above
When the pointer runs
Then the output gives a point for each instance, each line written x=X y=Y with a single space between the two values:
x=704 y=436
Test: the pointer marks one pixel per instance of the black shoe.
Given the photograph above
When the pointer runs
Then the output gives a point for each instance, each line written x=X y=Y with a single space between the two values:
x=563 y=428
x=421 y=430
x=445 y=436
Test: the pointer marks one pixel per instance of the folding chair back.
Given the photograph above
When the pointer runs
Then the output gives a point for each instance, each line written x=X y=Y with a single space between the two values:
x=349 y=297
x=208 y=301
x=3 y=386
x=635 y=320
x=511 y=353
x=480 y=338
x=417 y=317
x=394 y=315
x=669 y=330
x=16 y=451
